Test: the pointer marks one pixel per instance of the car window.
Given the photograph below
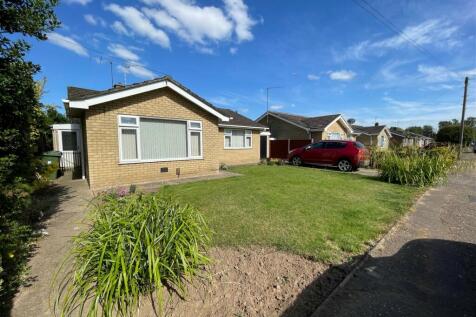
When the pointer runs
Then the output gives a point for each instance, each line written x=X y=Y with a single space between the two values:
x=335 y=145
x=359 y=145
x=318 y=145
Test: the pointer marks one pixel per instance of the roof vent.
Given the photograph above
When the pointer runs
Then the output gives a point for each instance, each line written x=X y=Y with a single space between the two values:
x=119 y=85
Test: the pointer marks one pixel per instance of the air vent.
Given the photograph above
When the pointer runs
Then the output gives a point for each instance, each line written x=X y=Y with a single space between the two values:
x=164 y=169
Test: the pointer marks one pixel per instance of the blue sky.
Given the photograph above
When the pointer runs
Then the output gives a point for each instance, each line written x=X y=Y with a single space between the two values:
x=326 y=56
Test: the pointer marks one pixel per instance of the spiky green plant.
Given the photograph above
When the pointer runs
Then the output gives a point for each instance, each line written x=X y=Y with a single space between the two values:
x=135 y=245
x=414 y=166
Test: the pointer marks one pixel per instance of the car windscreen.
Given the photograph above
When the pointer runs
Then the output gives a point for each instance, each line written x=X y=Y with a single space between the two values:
x=359 y=145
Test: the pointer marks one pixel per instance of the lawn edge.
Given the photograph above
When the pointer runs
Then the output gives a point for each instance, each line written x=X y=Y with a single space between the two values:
x=367 y=253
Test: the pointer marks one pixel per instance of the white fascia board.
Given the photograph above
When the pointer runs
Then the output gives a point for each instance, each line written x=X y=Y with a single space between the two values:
x=240 y=126
x=85 y=104
x=343 y=121
x=66 y=126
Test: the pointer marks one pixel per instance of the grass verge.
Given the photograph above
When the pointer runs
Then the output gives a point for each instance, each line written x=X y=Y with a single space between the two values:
x=323 y=214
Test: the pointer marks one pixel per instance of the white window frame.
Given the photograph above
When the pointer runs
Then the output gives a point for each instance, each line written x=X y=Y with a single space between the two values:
x=136 y=127
x=128 y=126
x=191 y=129
x=229 y=132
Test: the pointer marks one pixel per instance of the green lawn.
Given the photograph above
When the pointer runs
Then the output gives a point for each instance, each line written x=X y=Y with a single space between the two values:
x=319 y=213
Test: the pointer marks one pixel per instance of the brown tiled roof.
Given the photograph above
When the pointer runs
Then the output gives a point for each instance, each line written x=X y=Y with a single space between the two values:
x=238 y=119
x=315 y=123
x=372 y=130
x=76 y=94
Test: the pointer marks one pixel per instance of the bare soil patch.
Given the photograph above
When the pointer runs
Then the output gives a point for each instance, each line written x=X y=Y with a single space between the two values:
x=255 y=282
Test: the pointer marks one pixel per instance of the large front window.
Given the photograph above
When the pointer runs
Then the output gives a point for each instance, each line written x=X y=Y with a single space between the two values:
x=144 y=139
x=238 y=139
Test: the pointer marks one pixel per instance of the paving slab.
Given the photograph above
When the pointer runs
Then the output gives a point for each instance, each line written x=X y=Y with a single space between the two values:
x=426 y=266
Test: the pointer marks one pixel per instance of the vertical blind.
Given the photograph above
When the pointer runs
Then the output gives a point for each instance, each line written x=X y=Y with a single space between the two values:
x=129 y=144
x=195 y=149
x=163 y=139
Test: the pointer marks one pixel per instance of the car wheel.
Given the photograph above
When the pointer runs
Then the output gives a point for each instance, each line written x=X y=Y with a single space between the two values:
x=344 y=166
x=296 y=161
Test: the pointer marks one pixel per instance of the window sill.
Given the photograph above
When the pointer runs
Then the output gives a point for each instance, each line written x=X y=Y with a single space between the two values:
x=161 y=160
x=238 y=148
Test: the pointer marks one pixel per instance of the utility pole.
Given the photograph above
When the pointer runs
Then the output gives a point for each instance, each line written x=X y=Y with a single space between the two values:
x=461 y=135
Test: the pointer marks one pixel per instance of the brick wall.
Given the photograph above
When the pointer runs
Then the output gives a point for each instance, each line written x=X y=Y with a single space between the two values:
x=335 y=127
x=103 y=149
x=101 y=127
x=240 y=156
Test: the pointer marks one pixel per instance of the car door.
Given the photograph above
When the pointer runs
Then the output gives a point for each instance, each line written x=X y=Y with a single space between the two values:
x=332 y=152
x=312 y=154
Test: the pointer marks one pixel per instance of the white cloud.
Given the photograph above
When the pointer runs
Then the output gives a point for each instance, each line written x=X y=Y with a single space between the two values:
x=202 y=25
x=343 y=75
x=67 y=43
x=276 y=107
x=140 y=24
x=94 y=20
x=435 y=74
x=137 y=70
x=81 y=2
x=123 y=52
x=435 y=32
x=120 y=29
x=312 y=77
x=238 y=12
x=233 y=50
x=192 y=23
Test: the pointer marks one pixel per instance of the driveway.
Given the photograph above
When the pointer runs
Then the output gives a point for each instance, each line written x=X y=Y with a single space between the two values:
x=68 y=200
x=426 y=266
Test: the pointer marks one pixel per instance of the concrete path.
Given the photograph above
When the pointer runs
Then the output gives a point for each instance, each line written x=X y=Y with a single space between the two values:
x=68 y=200
x=425 y=267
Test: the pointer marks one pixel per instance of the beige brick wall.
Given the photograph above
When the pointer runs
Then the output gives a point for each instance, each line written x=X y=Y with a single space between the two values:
x=102 y=139
x=240 y=156
x=335 y=127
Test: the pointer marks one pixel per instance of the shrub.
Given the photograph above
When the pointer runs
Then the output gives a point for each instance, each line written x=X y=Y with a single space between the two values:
x=135 y=245
x=416 y=167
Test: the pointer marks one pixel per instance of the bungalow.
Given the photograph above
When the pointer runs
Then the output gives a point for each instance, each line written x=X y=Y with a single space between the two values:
x=376 y=135
x=285 y=126
x=405 y=138
x=151 y=131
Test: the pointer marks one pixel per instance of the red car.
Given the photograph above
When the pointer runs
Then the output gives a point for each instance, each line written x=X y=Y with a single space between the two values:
x=346 y=155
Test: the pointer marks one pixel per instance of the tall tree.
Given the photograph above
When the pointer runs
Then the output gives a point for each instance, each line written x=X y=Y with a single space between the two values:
x=19 y=119
x=415 y=129
x=18 y=105
x=427 y=130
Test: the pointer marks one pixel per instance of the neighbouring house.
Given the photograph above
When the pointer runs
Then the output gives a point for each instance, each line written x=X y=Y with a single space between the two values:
x=285 y=126
x=373 y=136
x=152 y=131
x=405 y=138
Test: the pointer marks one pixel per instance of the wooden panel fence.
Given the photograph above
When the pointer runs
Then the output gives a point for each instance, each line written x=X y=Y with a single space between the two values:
x=279 y=149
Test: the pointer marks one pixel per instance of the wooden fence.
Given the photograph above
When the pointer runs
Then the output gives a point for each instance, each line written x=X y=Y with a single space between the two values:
x=279 y=149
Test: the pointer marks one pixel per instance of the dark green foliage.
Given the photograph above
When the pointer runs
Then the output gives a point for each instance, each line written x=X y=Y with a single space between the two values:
x=20 y=112
x=415 y=166
x=451 y=134
x=135 y=245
